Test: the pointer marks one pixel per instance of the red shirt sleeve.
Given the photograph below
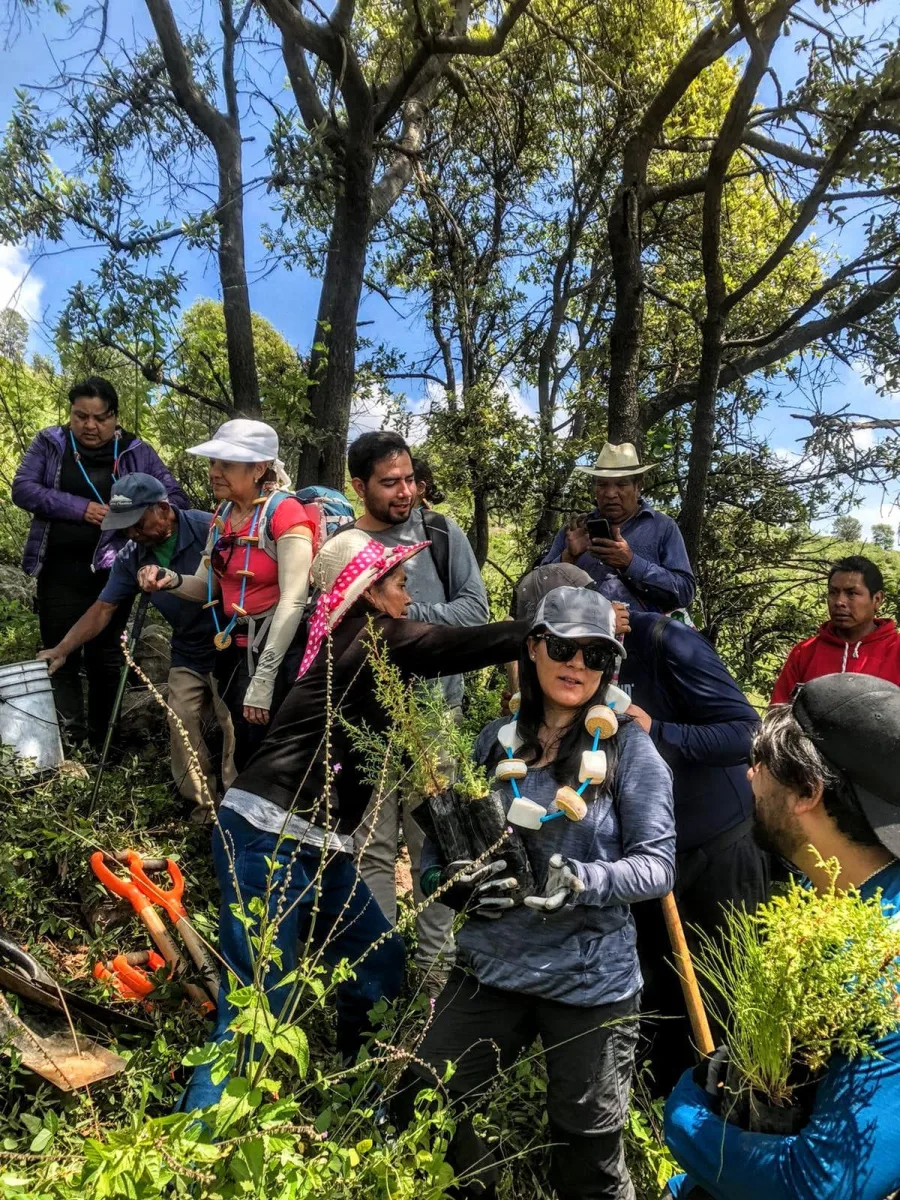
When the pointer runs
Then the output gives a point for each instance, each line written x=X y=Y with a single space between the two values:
x=291 y=512
x=788 y=679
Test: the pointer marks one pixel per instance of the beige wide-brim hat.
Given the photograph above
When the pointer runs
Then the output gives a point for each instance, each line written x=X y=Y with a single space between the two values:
x=617 y=462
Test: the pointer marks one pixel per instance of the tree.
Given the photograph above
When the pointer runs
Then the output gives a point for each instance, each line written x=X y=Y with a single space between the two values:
x=135 y=130
x=13 y=335
x=364 y=81
x=883 y=536
x=827 y=151
x=847 y=529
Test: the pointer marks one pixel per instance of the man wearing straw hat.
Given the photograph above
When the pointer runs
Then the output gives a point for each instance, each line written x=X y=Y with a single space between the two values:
x=643 y=562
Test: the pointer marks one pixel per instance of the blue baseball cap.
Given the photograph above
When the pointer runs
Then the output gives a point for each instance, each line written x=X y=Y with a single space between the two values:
x=130 y=499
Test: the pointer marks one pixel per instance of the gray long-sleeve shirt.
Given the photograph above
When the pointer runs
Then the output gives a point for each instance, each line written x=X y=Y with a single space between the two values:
x=465 y=602
x=623 y=851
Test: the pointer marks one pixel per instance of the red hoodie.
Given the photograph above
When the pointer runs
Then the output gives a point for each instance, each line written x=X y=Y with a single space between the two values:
x=878 y=653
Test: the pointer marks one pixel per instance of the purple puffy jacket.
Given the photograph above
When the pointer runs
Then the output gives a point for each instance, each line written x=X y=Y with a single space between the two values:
x=36 y=489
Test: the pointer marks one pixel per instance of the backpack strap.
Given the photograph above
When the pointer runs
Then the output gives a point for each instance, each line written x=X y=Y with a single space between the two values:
x=659 y=632
x=436 y=522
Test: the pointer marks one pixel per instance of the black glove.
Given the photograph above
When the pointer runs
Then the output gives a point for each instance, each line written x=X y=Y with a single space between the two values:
x=476 y=889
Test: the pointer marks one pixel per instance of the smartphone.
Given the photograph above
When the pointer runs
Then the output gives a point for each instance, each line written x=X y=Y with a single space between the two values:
x=599 y=527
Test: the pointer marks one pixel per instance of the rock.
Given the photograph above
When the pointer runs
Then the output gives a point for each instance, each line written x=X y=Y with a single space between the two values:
x=16 y=585
x=142 y=719
x=153 y=653
x=70 y=769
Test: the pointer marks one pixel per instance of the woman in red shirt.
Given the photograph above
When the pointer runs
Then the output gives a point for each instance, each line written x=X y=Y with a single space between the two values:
x=254 y=577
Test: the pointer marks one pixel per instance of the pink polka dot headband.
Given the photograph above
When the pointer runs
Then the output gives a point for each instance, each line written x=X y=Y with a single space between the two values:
x=364 y=569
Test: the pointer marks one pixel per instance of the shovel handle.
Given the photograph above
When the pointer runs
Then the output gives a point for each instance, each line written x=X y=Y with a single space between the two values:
x=169 y=951
x=689 y=986
x=203 y=960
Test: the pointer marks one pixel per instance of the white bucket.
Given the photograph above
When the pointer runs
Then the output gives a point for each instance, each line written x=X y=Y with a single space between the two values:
x=28 y=715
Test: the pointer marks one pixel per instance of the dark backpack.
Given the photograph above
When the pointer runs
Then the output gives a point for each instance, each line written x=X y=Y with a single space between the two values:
x=436 y=523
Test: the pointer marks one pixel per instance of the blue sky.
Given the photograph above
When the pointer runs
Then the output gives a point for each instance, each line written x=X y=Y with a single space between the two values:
x=37 y=286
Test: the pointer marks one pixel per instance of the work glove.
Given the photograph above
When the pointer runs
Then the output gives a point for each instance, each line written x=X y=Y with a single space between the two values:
x=477 y=890
x=562 y=886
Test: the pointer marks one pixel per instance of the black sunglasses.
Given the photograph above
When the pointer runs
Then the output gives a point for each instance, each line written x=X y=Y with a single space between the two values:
x=222 y=553
x=559 y=649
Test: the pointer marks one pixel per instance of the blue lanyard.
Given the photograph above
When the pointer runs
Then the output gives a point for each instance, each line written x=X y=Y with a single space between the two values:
x=222 y=640
x=87 y=478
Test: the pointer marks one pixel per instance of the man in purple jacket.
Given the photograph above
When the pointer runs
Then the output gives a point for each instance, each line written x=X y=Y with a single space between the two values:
x=64 y=481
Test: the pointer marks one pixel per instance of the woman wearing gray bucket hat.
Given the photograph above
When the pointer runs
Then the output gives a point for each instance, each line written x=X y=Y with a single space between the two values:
x=599 y=831
x=254 y=576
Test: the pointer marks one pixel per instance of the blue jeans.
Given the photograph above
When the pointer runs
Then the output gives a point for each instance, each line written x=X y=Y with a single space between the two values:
x=348 y=919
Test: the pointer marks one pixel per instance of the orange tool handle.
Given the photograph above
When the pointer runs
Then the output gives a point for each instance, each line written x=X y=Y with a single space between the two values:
x=136 y=977
x=689 y=986
x=105 y=975
x=168 y=899
x=152 y=920
x=171 y=901
x=117 y=885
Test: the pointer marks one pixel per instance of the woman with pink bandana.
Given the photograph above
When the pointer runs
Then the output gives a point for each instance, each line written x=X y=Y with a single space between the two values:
x=291 y=806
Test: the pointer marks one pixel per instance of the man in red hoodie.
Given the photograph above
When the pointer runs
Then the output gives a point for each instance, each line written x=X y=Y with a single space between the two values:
x=854 y=640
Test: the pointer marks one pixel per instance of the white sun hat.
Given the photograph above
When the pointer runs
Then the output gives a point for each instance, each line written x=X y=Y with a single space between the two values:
x=241 y=440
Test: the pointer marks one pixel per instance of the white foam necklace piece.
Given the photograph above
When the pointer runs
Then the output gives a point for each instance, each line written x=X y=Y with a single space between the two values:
x=525 y=813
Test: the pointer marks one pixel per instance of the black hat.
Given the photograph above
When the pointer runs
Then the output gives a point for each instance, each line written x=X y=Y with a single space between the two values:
x=533 y=587
x=854 y=722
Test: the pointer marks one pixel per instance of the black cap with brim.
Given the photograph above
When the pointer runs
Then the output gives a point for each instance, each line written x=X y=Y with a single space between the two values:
x=124 y=518
x=854 y=722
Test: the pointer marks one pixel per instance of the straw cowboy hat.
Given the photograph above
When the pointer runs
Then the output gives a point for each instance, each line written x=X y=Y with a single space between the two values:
x=617 y=462
x=343 y=569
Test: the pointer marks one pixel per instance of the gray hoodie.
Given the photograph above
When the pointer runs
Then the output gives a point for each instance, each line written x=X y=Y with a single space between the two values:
x=623 y=851
x=467 y=602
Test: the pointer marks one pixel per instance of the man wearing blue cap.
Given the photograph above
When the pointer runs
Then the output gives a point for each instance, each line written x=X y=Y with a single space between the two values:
x=167 y=537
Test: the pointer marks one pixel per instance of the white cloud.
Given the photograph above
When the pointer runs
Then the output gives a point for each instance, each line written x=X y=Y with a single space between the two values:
x=863 y=439
x=20 y=286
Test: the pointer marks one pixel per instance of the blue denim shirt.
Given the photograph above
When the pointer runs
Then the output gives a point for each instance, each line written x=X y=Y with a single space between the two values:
x=659 y=576
x=192 y=626
x=623 y=851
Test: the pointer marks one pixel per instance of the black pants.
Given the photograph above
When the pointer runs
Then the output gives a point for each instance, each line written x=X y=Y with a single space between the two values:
x=233 y=676
x=589 y=1054
x=64 y=594
x=707 y=882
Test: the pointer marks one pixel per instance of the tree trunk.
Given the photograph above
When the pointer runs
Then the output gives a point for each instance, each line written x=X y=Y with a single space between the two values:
x=480 y=533
x=333 y=359
x=703 y=430
x=624 y=228
x=233 y=277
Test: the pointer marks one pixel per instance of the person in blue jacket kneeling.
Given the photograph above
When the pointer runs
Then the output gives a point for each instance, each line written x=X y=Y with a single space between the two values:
x=563 y=964
x=826 y=774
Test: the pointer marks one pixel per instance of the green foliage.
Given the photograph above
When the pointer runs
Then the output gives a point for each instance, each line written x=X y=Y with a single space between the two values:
x=808 y=975
x=423 y=741
x=884 y=537
x=19 y=633
x=848 y=529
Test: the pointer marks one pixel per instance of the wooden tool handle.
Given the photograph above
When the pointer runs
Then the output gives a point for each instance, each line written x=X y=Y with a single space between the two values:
x=201 y=956
x=689 y=986
x=169 y=951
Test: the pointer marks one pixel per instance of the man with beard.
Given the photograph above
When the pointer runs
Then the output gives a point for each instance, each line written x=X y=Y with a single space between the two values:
x=446 y=589
x=826 y=782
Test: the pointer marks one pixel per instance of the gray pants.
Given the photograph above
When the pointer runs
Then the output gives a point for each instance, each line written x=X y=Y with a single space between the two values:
x=376 y=847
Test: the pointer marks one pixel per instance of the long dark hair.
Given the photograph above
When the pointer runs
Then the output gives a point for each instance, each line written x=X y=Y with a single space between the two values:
x=531 y=715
